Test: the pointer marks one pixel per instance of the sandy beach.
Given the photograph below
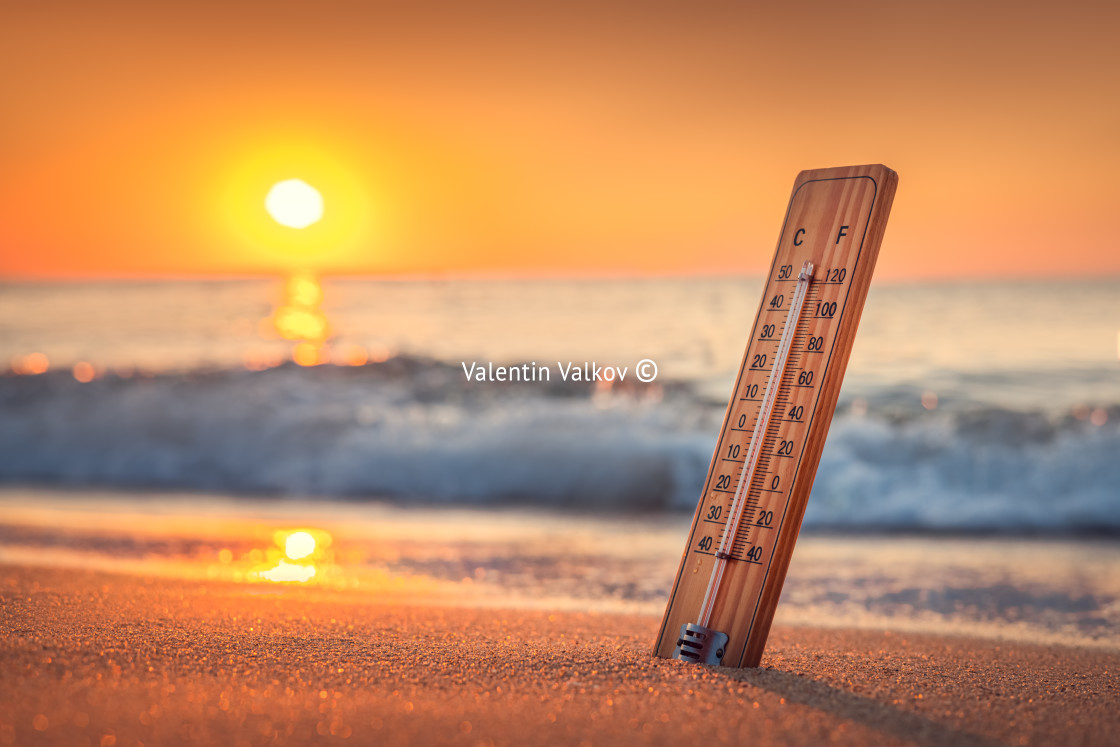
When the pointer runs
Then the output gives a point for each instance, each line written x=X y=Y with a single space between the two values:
x=405 y=374
x=101 y=659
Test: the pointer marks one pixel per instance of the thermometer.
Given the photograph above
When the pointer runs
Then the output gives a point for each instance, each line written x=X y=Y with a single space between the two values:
x=749 y=514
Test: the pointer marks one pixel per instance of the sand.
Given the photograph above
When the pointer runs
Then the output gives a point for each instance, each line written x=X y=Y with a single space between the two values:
x=98 y=659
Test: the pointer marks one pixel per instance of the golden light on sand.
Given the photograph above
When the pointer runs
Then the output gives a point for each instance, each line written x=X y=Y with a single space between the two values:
x=299 y=555
x=290 y=572
x=294 y=203
x=299 y=545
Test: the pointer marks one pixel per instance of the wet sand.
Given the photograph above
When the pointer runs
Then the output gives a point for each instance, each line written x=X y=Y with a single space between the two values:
x=91 y=658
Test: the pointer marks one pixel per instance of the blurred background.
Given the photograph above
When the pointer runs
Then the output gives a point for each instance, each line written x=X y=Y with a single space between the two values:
x=531 y=183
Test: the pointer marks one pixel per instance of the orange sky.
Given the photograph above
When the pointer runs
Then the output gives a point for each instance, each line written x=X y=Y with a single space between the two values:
x=138 y=138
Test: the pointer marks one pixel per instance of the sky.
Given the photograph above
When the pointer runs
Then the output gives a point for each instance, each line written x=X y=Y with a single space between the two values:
x=139 y=139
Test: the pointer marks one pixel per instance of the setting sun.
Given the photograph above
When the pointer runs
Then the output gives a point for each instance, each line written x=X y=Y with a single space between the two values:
x=294 y=203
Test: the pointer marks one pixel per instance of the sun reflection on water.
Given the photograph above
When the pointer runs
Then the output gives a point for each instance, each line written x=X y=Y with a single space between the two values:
x=300 y=319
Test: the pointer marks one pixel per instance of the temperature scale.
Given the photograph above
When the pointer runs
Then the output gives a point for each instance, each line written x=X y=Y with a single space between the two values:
x=749 y=515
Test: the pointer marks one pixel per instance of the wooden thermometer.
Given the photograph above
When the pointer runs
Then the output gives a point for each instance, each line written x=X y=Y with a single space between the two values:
x=749 y=514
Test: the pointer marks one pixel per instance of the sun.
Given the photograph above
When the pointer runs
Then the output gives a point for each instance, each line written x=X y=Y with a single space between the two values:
x=294 y=203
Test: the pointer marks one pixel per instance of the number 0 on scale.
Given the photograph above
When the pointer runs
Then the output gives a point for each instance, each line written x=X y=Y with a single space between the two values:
x=745 y=526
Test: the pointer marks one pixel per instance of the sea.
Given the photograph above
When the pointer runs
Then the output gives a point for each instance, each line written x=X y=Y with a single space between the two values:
x=971 y=475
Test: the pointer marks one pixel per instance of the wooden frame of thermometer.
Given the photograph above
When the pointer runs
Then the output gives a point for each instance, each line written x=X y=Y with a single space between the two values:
x=746 y=523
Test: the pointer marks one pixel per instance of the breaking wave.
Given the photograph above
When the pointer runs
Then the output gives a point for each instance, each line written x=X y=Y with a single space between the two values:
x=413 y=430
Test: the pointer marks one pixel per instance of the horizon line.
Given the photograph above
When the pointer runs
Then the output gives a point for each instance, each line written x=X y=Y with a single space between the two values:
x=503 y=275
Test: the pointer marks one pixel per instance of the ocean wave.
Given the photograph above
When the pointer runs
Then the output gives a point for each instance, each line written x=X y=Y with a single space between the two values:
x=414 y=430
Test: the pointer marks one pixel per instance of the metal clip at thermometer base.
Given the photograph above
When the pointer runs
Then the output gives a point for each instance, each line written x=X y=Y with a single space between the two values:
x=749 y=514
x=700 y=645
